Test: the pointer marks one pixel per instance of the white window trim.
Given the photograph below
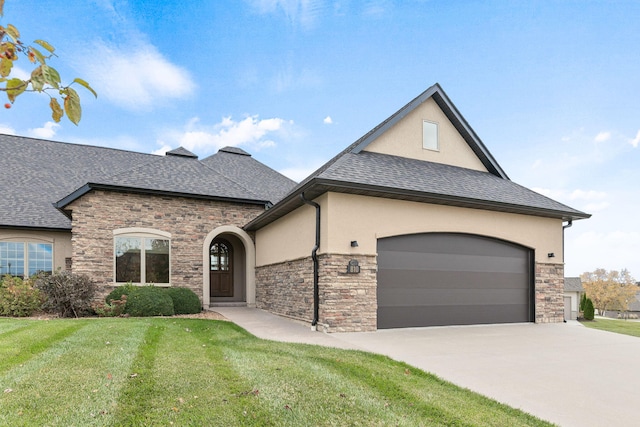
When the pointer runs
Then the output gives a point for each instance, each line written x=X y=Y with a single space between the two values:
x=26 y=242
x=141 y=232
x=437 y=148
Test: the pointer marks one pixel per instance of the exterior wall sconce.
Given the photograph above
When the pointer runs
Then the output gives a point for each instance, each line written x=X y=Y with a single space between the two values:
x=353 y=267
x=354 y=243
x=551 y=255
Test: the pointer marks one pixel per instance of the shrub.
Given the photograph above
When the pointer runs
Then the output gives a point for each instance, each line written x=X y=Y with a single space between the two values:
x=19 y=298
x=149 y=301
x=185 y=301
x=583 y=300
x=111 y=309
x=118 y=292
x=589 y=312
x=66 y=293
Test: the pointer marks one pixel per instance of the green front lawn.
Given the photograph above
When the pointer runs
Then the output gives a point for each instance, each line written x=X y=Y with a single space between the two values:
x=626 y=327
x=193 y=372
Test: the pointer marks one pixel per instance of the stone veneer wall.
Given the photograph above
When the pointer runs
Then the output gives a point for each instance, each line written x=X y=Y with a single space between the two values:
x=98 y=213
x=549 y=291
x=348 y=302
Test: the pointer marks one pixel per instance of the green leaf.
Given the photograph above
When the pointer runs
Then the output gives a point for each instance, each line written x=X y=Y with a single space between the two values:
x=45 y=45
x=5 y=67
x=39 y=56
x=37 y=79
x=56 y=110
x=13 y=32
x=14 y=88
x=85 y=85
x=72 y=105
x=51 y=76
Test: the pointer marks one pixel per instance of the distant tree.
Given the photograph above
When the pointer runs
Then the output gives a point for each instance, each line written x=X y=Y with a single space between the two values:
x=609 y=290
x=43 y=78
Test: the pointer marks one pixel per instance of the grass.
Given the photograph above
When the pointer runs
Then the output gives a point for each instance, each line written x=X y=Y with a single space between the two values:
x=625 y=327
x=188 y=372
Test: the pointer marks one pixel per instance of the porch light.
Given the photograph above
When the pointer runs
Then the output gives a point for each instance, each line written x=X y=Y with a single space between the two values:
x=551 y=255
x=354 y=243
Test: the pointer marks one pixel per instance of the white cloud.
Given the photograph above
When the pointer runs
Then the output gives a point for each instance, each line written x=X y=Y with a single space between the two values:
x=602 y=137
x=298 y=12
x=377 y=8
x=587 y=195
x=612 y=249
x=47 y=131
x=635 y=141
x=206 y=139
x=299 y=173
x=327 y=120
x=135 y=76
x=7 y=130
x=596 y=207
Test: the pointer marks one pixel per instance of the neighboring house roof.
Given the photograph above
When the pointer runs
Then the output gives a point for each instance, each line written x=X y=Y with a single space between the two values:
x=36 y=173
x=245 y=170
x=573 y=284
x=356 y=171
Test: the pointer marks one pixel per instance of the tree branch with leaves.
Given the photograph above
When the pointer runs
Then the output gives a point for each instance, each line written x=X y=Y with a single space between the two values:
x=43 y=78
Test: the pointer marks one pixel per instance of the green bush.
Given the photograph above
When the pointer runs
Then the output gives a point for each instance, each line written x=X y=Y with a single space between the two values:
x=185 y=301
x=589 y=312
x=19 y=298
x=148 y=301
x=113 y=308
x=66 y=293
x=583 y=301
x=118 y=292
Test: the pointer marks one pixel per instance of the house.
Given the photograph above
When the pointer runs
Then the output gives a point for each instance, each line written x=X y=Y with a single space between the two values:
x=414 y=224
x=573 y=291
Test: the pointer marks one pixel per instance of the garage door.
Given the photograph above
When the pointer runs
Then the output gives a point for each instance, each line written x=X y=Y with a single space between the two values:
x=438 y=279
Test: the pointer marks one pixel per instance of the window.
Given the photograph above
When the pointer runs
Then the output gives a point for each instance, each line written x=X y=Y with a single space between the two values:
x=220 y=254
x=141 y=257
x=24 y=259
x=430 y=136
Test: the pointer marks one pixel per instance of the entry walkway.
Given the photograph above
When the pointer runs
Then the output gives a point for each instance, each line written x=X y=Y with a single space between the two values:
x=564 y=373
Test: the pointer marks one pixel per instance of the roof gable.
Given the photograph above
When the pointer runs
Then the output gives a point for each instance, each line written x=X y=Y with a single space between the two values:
x=401 y=135
x=363 y=169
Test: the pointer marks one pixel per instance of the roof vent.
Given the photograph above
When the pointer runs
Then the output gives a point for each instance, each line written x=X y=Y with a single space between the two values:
x=181 y=152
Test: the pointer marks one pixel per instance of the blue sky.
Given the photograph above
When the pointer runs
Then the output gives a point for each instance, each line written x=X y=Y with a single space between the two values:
x=551 y=87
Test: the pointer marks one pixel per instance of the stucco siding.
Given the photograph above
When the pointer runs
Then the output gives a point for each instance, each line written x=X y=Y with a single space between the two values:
x=292 y=236
x=366 y=219
x=405 y=139
x=60 y=240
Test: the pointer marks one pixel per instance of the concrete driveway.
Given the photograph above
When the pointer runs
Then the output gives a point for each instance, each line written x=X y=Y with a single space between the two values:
x=563 y=373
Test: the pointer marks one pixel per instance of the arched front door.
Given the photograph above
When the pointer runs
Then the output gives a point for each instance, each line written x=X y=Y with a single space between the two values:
x=220 y=268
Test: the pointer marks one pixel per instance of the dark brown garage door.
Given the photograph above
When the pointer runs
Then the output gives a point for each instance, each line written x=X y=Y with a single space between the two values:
x=438 y=279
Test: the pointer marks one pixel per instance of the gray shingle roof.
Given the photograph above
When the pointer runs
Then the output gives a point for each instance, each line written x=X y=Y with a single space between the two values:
x=250 y=173
x=357 y=171
x=573 y=284
x=36 y=173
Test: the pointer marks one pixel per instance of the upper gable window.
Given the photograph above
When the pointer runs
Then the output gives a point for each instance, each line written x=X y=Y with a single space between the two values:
x=430 y=136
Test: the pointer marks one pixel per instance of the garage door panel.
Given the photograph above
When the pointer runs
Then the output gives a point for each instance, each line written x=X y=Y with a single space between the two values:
x=399 y=260
x=450 y=243
x=399 y=279
x=452 y=279
x=467 y=297
x=416 y=316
